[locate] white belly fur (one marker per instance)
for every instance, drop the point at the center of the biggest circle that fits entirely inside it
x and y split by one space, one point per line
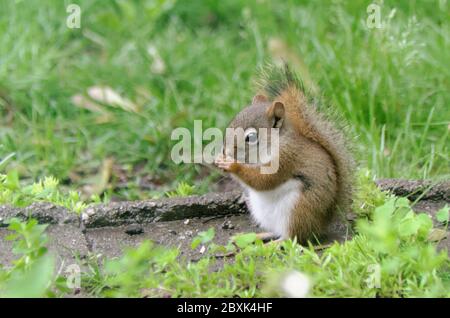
272 209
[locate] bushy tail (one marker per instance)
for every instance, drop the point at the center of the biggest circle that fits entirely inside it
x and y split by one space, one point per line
321 125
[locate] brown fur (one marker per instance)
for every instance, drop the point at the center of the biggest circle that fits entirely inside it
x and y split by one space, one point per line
311 150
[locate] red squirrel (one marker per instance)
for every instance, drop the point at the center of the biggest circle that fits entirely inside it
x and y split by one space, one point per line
315 166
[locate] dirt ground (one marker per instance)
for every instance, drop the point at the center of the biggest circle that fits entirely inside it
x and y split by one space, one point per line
106 230
68 241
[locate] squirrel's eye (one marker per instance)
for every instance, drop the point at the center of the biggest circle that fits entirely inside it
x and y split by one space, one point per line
251 137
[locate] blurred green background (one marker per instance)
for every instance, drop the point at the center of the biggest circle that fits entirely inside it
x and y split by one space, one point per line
165 63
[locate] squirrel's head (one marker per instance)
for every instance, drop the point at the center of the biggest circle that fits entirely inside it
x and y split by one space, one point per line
253 135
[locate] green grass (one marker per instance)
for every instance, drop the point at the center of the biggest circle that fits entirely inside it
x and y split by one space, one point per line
393 253
179 61
390 84
47 190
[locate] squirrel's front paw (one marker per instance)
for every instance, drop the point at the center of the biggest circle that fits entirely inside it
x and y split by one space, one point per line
226 163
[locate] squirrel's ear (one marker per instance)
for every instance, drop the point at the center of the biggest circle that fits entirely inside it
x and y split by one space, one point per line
276 112
259 99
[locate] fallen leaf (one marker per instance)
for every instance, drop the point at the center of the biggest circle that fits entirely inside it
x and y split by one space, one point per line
108 96
84 102
158 66
437 235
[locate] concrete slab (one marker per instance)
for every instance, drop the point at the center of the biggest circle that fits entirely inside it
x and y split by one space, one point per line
65 241
110 241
